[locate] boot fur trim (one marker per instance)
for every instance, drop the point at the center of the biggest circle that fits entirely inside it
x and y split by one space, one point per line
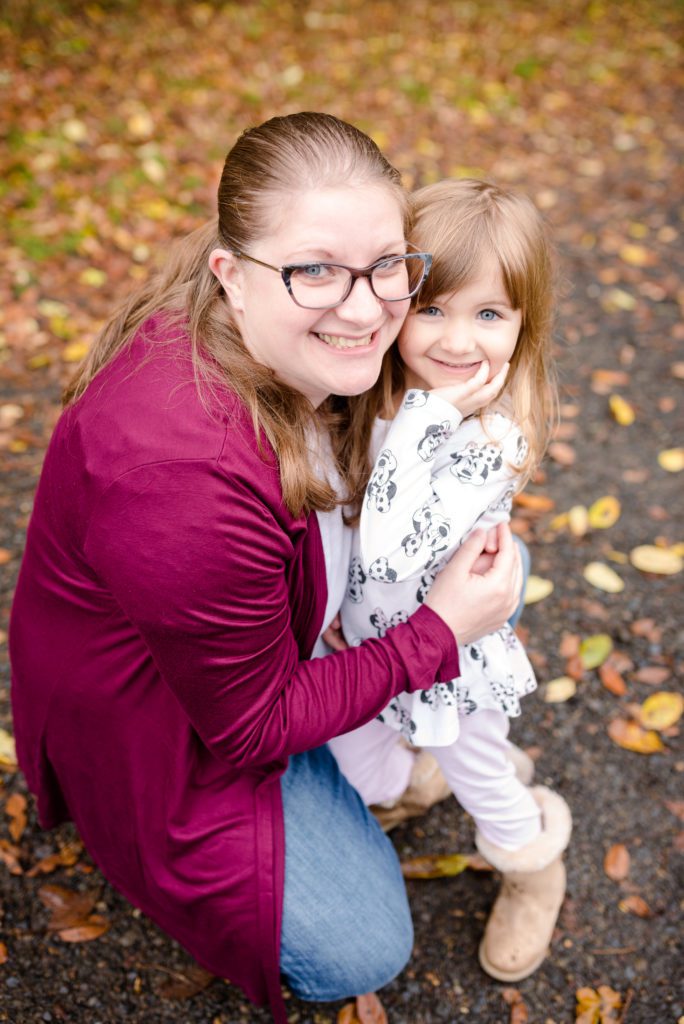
534 856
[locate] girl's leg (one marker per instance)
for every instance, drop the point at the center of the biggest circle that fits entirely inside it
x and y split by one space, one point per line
375 761
346 925
483 779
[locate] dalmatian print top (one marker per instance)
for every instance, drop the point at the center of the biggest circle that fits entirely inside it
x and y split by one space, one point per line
435 478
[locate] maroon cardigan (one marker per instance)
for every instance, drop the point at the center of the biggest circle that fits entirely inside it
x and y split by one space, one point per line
165 610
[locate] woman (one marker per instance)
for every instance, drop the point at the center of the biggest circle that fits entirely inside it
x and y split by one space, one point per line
174 581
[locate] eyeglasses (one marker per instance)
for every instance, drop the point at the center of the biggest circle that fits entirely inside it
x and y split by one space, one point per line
326 285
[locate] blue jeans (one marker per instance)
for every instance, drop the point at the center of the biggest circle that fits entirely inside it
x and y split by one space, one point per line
346 926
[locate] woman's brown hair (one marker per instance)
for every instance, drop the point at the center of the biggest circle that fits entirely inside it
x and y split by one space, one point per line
463 223
284 156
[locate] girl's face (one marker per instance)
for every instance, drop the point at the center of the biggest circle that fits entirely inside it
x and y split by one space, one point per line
447 341
319 351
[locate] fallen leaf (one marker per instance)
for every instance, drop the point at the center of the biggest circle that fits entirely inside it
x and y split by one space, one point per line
66 857
15 808
652 675
621 411
75 352
370 1010
537 589
647 628
636 255
436 865
562 453
184 984
597 1006
594 650
574 667
3 953
519 1012
92 928
557 691
635 905
347 1015
662 561
9 855
672 460
676 807
631 736
616 862
603 381
569 645
603 577
578 520
8 752
534 502
69 909
661 710
604 513
612 680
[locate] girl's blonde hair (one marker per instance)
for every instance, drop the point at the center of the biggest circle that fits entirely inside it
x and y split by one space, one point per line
284 156
463 223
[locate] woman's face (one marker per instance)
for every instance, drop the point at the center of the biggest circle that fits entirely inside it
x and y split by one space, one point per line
319 352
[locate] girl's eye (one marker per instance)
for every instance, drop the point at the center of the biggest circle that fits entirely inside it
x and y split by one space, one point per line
430 311
489 314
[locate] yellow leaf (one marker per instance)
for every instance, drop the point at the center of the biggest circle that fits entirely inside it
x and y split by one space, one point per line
672 459
92 276
559 522
636 255
604 513
631 736
678 549
622 412
75 130
537 589
616 556
603 577
578 520
8 751
140 124
661 710
75 352
559 690
435 866
663 561
39 361
617 299
594 650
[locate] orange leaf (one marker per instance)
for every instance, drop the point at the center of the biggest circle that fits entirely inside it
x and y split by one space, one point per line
69 908
3 953
616 862
612 680
92 928
66 857
631 736
534 502
370 1010
562 453
635 905
654 675
519 1013
603 381
15 808
347 1015
9 855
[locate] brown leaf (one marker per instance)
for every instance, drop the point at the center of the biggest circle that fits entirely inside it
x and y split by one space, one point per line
15 808
603 381
612 680
648 629
569 645
66 857
185 984
676 807
519 1013
635 905
562 453
616 862
90 929
654 675
3 953
347 1015
69 909
370 1010
9 855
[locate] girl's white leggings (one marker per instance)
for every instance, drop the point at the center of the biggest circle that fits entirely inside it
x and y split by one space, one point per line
476 767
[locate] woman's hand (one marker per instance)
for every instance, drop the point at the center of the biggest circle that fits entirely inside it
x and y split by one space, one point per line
473 603
470 395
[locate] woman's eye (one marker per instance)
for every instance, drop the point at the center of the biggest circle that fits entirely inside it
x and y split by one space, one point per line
488 314
313 270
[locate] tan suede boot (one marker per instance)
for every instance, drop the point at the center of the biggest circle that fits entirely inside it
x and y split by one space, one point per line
427 786
521 923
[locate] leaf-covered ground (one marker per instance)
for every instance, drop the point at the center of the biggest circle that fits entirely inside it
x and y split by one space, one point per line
116 117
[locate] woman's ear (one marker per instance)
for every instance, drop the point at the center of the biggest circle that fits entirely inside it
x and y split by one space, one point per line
227 270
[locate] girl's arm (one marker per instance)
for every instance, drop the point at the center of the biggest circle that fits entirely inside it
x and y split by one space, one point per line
436 478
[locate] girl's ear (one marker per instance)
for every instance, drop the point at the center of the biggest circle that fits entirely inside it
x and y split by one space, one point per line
227 269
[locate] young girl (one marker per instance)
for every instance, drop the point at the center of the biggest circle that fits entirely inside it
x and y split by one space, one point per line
464 410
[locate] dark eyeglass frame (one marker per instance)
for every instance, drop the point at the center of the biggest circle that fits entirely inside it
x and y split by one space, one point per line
288 269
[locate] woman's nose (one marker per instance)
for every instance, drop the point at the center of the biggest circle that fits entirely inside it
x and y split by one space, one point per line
362 304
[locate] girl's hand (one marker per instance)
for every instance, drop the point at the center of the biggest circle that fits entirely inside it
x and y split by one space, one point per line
333 635
470 395
472 603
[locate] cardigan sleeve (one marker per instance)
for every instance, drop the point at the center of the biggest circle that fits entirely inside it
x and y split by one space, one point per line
199 565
